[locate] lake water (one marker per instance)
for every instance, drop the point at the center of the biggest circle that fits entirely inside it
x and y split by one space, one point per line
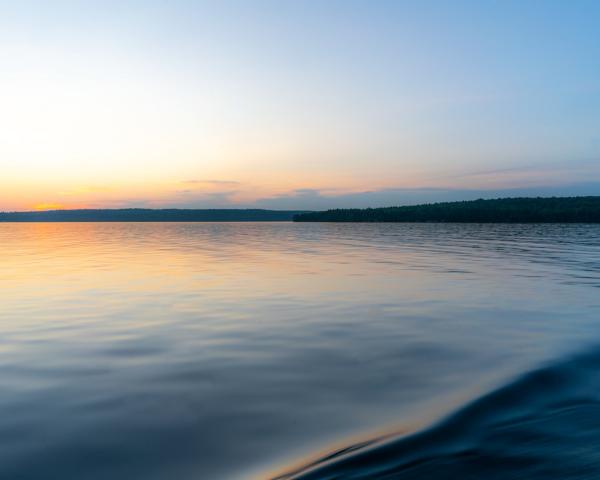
247 350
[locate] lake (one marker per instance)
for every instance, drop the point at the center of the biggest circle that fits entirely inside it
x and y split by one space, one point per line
247 350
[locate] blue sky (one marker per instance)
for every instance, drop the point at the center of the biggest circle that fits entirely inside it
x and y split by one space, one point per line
269 103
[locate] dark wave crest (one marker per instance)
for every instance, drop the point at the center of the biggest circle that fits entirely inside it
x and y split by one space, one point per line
545 424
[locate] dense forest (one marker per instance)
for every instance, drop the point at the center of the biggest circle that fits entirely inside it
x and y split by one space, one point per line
504 210
151 215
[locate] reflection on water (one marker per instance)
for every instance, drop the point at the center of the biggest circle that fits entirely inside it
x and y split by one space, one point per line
229 351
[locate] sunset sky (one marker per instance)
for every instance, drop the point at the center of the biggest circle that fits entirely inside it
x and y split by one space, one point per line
295 104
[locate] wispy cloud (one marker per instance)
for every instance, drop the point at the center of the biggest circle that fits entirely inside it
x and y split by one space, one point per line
312 199
210 182
533 175
202 199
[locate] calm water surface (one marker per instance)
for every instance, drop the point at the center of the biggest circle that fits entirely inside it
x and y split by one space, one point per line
245 350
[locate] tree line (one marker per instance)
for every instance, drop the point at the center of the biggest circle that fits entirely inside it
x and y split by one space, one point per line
503 210
151 215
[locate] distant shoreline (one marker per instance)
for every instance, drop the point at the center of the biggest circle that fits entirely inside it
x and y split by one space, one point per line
152 215
503 210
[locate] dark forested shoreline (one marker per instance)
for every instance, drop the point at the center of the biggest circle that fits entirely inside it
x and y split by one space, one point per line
151 215
504 210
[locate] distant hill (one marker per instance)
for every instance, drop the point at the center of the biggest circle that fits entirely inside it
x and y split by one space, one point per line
503 210
151 215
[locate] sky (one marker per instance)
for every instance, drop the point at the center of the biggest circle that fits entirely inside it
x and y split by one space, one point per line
296 104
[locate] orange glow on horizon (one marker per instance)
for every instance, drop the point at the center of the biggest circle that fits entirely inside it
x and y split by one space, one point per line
41 207
191 191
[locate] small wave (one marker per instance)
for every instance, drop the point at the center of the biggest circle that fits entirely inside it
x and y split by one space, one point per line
545 424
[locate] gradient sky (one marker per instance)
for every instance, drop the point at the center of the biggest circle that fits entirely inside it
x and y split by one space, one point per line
303 104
